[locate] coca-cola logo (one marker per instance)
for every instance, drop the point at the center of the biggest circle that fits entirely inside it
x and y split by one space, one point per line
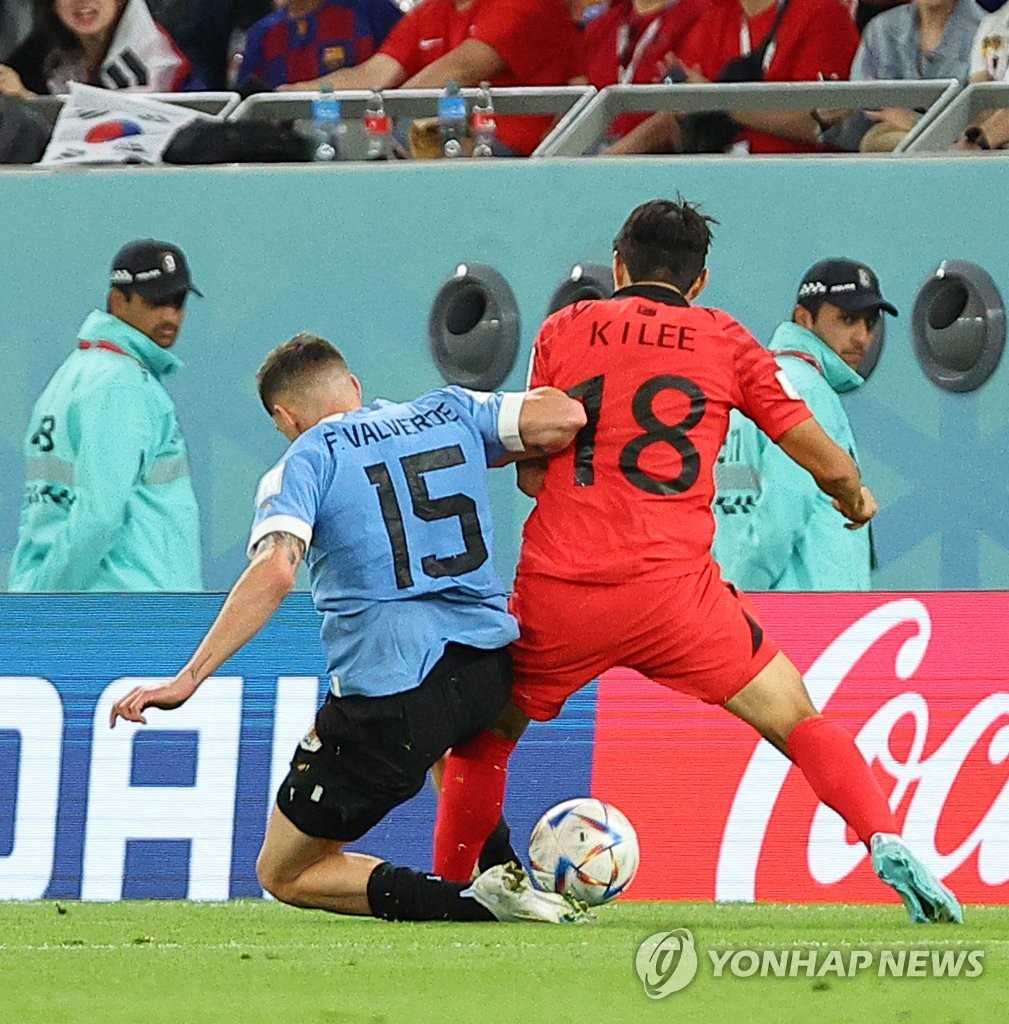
922 684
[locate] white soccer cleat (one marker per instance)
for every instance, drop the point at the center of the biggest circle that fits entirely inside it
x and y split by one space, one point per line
505 890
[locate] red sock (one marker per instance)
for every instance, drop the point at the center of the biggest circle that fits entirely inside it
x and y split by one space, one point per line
838 774
472 794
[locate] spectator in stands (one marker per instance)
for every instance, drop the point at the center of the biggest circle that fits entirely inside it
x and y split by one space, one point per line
989 62
308 38
922 40
736 40
628 43
115 44
522 42
206 30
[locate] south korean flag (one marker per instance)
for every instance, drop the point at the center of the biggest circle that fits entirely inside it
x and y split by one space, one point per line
141 55
99 126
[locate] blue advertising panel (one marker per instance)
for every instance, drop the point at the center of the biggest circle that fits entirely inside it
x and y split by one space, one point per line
177 808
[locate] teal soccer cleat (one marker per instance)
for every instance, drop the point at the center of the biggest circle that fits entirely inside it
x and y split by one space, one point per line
926 898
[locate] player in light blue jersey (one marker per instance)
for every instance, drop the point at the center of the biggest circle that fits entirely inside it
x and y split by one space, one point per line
391 503
388 506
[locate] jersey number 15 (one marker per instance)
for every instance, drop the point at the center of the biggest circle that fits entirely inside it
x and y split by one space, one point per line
429 510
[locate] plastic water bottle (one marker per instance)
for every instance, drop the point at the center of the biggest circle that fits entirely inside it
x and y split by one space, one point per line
452 120
327 117
378 129
482 123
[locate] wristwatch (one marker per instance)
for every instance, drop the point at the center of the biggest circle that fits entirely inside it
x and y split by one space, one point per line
976 137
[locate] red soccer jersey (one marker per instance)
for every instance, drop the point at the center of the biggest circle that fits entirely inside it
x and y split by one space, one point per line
814 37
622 46
631 498
536 39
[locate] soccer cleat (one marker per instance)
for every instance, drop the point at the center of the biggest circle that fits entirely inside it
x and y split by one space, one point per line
926 898
505 890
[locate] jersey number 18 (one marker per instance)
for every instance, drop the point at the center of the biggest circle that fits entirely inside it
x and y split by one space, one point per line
655 432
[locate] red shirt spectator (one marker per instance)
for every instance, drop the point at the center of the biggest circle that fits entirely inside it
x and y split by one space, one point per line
521 42
814 37
628 44
536 40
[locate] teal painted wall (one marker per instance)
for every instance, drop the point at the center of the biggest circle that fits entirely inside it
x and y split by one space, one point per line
358 253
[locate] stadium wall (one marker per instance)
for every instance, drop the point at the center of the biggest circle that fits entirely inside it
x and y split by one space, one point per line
177 808
358 254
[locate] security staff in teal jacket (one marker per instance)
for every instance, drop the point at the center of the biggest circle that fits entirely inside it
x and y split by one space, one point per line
108 501
775 530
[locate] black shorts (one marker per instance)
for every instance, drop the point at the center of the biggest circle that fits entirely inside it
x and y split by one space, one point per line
367 755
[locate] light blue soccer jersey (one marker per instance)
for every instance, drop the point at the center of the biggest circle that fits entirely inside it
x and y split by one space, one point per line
392 502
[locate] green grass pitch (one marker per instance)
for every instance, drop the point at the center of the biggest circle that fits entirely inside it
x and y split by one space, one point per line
253 962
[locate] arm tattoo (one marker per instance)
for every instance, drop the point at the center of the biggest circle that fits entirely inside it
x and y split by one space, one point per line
294 546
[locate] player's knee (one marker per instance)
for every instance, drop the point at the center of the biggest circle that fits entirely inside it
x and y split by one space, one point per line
511 723
277 882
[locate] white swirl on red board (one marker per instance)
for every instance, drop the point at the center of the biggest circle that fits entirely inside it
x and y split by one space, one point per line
765 774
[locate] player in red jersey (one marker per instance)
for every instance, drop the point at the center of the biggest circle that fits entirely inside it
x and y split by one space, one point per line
616 565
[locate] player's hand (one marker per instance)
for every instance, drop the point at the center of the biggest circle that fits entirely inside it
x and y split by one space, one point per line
131 707
531 476
861 514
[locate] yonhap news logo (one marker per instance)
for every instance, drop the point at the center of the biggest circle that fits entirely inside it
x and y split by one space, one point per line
668 962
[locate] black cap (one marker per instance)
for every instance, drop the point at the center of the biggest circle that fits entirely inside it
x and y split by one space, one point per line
155 270
847 284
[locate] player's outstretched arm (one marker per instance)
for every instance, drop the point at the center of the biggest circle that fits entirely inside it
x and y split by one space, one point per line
549 420
252 601
832 468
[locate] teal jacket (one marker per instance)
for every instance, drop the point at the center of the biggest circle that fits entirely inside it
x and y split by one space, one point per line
774 528
108 500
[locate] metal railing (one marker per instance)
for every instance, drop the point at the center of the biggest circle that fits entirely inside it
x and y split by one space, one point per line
585 115
565 102
413 103
215 104
589 129
948 125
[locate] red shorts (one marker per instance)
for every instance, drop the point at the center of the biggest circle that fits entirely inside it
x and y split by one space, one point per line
694 633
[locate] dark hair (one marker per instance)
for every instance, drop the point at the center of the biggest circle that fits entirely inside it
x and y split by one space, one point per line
665 241
57 35
293 364
812 303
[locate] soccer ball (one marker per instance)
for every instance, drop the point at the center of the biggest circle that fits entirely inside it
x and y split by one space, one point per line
586 848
